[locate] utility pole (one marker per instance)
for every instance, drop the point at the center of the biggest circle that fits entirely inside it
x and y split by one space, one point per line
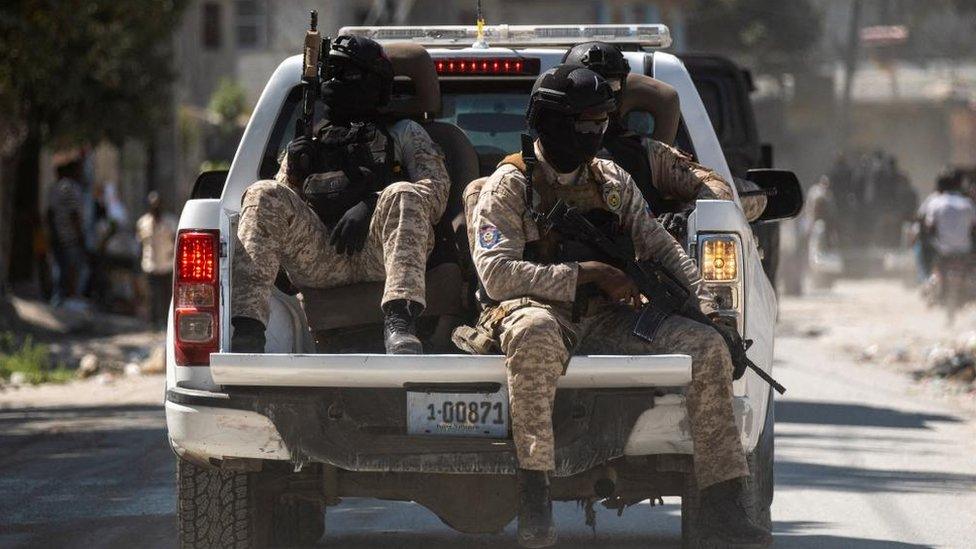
850 67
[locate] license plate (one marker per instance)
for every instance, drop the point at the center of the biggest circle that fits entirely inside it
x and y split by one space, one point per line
458 414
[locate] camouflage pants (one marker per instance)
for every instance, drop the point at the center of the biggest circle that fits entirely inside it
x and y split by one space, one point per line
536 339
277 228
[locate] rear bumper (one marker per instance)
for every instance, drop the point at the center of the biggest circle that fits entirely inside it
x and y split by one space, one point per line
204 426
350 411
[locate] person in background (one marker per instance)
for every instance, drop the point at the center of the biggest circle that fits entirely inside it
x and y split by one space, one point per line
950 219
68 237
156 232
922 241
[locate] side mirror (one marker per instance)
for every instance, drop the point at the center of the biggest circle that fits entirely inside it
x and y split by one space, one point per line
784 195
209 184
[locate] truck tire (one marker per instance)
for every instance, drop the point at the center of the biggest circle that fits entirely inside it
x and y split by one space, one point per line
297 522
220 508
760 462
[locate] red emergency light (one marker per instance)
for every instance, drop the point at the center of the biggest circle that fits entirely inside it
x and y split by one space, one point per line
487 66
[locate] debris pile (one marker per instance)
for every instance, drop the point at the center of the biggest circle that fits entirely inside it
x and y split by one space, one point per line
955 363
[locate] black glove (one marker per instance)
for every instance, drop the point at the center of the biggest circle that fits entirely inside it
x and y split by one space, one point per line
349 235
675 223
301 158
736 347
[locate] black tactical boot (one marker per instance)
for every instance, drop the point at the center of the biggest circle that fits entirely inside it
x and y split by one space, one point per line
400 327
725 517
248 335
535 527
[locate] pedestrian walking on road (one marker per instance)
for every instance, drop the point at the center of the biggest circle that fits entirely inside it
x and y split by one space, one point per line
156 232
64 215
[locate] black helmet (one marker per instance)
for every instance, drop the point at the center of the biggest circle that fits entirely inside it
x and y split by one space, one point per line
569 90
359 76
560 98
363 52
605 59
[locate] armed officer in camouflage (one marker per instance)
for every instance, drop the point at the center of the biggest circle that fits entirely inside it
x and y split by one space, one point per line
669 179
532 308
356 203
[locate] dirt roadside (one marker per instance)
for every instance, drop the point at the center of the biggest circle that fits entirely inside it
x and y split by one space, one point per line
883 324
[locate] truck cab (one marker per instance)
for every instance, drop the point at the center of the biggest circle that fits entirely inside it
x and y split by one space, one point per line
322 415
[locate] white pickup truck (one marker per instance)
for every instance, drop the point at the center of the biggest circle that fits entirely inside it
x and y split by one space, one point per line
266 441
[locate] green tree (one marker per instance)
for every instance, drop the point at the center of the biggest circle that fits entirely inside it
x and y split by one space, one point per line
771 34
229 103
74 72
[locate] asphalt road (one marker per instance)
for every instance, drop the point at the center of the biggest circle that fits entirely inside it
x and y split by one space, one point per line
864 459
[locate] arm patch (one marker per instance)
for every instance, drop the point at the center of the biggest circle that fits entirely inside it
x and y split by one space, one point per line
488 236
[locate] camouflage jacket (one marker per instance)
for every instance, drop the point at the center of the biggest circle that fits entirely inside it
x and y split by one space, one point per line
677 177
504 227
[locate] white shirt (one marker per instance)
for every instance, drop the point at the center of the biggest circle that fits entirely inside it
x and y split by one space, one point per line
953 217
158 239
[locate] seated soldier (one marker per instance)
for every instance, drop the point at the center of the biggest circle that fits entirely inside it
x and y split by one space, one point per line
669 180
338 212
529 289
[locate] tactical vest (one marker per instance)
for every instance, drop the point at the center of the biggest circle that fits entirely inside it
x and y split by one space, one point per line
551 247
347 170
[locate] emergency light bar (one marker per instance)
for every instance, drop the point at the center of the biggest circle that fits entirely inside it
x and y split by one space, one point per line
649 36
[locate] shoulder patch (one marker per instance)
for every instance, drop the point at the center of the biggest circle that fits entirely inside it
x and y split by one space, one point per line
613 199
488 236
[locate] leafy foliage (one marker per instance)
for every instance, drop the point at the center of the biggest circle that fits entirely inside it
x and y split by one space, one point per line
773 33
84 70
32 360
228 102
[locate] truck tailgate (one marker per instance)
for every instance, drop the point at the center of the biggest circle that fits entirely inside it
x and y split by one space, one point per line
367 370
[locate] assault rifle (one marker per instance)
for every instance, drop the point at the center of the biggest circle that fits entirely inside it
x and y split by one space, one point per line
311 76
665 293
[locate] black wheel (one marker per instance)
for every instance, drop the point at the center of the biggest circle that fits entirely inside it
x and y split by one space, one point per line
220 508
690 514
760 462
297 522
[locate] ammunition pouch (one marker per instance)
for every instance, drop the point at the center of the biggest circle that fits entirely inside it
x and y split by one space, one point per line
330 194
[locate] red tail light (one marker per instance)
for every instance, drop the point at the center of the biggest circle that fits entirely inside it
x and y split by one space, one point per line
487 66
196 297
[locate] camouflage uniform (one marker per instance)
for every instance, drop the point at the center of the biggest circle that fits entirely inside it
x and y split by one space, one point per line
533 323
277 228
677 177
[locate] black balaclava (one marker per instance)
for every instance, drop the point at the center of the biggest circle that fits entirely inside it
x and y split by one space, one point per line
565 148
361 79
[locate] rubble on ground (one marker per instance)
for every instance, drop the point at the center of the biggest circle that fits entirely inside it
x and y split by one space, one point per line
955 362
88 365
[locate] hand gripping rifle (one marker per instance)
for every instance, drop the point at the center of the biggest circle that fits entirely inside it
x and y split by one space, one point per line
665 293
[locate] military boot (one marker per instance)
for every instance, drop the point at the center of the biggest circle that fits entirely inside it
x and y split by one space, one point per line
535 527
400 327
725 517
248 335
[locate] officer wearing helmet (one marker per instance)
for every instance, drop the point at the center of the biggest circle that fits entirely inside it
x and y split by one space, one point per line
531 295
355 203
669 180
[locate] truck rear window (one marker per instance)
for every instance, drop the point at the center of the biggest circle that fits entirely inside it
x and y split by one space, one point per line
491 113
